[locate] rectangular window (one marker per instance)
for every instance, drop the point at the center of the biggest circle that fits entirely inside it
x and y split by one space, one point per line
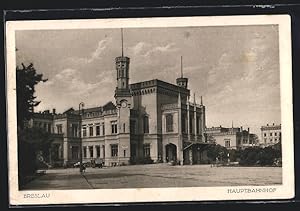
91 150
271 134
59 129
114 150
74 152
91 131
146 124
146 149
98 130
169 123
191 125
133 150
198 124
114 127
74 128
49 128
84 131
132 127
84 152
98 151
227 143
275 134
265 135
103 128
183 123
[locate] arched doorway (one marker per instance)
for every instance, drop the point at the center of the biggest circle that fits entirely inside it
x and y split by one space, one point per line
171 152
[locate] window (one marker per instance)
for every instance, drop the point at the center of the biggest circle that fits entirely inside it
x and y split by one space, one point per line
103 148
275 134
91 150
275 140
124 128
169 123
227 143
133 150
124 153
198 124
146 149
265 140
132 126
114 150
98 151
74 128
191 125
59 128
74 152
98 130
271 134
49 128
146 124
84 131
114 127
91 131
265 135
84 152
183 123
103 128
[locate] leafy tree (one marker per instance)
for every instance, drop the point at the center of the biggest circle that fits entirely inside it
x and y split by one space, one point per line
217 151
27 79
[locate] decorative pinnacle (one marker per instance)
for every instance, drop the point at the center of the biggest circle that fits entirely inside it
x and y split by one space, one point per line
122 41
181 69
201 101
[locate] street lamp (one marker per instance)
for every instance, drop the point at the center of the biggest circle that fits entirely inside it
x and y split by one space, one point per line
80 111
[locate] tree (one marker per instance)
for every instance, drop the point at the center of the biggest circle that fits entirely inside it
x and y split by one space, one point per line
27 79
217 151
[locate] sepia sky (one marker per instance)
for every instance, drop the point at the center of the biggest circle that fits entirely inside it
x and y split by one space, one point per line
234 68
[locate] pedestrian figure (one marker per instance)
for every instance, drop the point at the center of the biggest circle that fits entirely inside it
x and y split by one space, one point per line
83 167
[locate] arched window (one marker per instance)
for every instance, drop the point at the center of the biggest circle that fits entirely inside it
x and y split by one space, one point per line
169 123
146 124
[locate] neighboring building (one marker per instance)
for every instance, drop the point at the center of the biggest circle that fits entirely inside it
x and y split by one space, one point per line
270 134
151 119
231 138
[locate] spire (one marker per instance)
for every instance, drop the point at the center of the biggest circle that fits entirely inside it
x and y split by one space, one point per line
181 69
195 98
122 41
232 123
201 101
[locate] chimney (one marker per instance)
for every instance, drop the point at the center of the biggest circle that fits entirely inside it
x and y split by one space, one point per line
54 111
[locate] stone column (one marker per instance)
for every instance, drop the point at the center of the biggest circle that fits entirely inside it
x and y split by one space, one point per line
66 151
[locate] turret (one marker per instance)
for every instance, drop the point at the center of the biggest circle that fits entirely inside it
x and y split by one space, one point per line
182 82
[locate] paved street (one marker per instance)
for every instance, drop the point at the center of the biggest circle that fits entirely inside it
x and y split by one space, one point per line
156 175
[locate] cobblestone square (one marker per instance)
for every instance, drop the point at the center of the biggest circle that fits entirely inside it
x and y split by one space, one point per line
155 176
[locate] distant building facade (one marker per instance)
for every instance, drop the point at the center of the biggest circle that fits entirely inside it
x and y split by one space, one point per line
150 119
231 138
270 134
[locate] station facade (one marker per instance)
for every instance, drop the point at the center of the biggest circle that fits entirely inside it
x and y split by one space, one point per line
150 120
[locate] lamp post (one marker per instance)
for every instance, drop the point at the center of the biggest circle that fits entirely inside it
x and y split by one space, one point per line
80 110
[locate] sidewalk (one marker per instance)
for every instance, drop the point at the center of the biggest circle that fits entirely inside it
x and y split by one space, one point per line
61 179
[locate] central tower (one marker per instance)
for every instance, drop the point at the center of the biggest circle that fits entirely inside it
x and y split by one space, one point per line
122 92
123 102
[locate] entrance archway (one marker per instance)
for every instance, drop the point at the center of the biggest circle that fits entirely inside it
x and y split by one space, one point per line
171 152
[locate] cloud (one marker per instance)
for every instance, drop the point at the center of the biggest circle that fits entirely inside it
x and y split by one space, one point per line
95 54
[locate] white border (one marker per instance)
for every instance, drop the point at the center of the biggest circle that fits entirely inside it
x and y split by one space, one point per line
284 191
